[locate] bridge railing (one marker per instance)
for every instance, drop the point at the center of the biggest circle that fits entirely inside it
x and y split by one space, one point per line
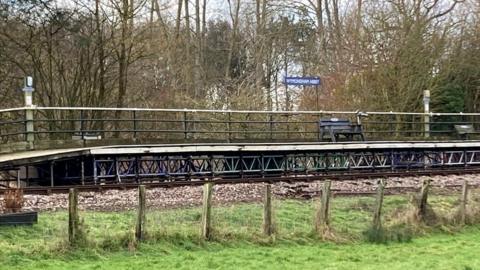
188 125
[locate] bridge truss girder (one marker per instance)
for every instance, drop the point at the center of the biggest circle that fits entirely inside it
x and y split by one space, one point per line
170 167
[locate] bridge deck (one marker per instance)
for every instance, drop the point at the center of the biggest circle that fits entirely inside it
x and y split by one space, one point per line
30 157
22 158
272 147
191 162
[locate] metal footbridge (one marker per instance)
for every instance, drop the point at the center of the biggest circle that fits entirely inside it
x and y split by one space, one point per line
237 162
56 147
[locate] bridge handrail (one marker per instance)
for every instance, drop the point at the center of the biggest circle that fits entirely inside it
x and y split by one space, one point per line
233 111
13 109
34 124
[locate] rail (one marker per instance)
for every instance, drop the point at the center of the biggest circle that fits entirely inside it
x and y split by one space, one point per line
311 178
144 125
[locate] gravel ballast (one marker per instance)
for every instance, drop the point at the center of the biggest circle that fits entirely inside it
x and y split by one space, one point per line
116 200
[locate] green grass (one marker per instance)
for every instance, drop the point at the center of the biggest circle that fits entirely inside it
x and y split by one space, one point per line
173 240
435 252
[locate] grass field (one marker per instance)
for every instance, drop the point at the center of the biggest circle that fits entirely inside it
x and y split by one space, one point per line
173 241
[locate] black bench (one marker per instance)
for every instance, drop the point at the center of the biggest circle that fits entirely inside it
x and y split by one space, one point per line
463 131
335 127
87 136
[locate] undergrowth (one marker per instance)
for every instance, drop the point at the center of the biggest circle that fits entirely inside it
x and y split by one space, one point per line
442 215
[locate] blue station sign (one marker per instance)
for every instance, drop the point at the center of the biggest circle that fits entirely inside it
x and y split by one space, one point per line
301 80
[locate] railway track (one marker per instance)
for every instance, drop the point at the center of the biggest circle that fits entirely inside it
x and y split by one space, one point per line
288 178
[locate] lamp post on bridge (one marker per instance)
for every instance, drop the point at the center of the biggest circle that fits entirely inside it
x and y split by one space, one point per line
28 94
426 107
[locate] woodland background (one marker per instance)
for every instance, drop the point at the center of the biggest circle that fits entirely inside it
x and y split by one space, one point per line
233 54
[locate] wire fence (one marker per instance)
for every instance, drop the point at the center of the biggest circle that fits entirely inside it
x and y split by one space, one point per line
111 229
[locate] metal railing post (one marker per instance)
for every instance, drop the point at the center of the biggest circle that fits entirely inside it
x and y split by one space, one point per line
194 127
134 116
82 127
288 126
317 126
394 126
29 127
229 127
270 119
185 127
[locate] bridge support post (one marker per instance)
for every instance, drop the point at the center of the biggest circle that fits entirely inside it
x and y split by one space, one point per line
95 171
206 230
18 178
82 171
268 219
52 178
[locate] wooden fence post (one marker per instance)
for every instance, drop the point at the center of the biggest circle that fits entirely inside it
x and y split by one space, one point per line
463 203
141 219
268 220
207 211
422 205
377 215
73 219
321 218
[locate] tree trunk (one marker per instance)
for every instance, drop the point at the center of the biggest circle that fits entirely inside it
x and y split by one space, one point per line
178 20
260 15
320 26
189 71
357 35
126 22
100 101
197 79
233 38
